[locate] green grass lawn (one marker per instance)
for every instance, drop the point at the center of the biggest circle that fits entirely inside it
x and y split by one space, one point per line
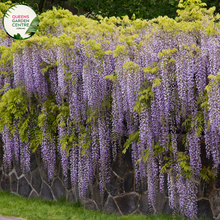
38 209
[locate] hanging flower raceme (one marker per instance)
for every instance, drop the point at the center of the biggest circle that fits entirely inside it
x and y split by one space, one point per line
62 150
28 71
48 152
7 147
40 83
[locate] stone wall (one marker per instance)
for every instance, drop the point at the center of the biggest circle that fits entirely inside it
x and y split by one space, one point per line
120 195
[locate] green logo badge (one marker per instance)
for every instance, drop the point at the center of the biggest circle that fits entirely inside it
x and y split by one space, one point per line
20 21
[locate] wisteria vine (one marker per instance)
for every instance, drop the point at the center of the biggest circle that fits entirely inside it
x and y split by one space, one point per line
86 95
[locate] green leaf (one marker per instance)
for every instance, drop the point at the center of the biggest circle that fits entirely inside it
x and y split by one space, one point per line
18 37
158 149
165 167
111 77
31 29
33 26
133 137
35 21
156 82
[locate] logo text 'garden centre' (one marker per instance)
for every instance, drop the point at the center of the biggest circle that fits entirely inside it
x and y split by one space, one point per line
20 21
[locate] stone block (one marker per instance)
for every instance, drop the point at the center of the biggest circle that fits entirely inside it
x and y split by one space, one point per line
127 203
110 206
36 180
33 194
100 200
28 176
46 192
204 189
0 172
87 194
115 186
76 192
5 183
160 201
13 181
61 173
136 213
43 172
33 162
142 187
128 160
129 182
166 208
165 185
215 202
18 169
120 166
217 180
68 184
71 196
66 180
24 188
144 204
58 188
90 204
38 156
204 209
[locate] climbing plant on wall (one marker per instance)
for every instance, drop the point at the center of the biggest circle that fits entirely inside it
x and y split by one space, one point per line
86 90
